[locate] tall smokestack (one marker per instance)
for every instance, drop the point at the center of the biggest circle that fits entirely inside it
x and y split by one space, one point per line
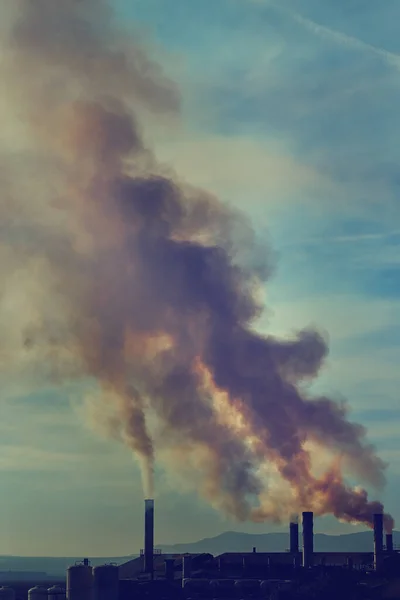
308 539
149 536
378 540
294 536
389 542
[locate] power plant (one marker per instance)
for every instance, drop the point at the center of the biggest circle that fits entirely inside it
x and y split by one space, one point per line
299 573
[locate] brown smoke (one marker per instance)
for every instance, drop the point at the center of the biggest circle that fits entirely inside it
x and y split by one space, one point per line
150 288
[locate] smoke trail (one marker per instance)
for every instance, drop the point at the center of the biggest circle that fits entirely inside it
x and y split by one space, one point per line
146 285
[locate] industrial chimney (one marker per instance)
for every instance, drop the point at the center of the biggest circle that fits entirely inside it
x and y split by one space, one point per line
186 567
378 540
389 543
169 569
149 536
308 539
294 536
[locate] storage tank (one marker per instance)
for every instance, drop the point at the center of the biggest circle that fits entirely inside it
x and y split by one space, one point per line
265 587
80 582
269 588
106 582
7 593
55 592
198 587
38 592
222 588
248 587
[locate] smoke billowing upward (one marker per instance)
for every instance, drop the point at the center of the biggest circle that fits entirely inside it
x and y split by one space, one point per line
146 285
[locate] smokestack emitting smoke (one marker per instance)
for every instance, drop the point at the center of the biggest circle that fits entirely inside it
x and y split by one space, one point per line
146 286
378 540
308 539
389 542
148 536
294 536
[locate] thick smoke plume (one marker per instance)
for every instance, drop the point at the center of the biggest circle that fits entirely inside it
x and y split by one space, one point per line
150 288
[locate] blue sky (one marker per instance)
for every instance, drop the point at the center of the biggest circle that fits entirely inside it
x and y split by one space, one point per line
290 113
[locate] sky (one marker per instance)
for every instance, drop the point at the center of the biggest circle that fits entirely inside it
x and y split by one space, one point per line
289 113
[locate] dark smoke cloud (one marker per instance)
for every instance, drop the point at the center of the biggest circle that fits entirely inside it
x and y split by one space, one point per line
152 288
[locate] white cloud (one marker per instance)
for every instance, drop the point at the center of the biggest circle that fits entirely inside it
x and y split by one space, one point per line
239 167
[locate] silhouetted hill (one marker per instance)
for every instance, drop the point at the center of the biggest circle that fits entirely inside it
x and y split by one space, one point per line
226 542
277 542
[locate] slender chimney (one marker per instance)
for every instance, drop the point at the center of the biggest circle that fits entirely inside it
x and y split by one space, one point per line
294 536
378 540
389 543
149 536
186 567
308 539
169 569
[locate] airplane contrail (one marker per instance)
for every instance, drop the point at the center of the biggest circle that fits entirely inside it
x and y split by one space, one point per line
339 37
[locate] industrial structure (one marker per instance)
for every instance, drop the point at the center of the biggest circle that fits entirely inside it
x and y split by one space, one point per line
149 536
298 574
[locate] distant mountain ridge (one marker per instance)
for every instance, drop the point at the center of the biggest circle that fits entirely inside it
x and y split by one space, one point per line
231 541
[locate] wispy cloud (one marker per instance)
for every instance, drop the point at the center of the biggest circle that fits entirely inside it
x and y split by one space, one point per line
339 37
31 458
242 169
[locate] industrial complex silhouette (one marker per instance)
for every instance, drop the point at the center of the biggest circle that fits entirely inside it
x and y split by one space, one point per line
299 573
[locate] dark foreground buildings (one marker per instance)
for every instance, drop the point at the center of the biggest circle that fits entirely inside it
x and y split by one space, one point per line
298 574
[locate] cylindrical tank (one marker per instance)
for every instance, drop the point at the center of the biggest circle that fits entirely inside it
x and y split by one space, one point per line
37 593
270 587
106 582
222 588
55 592
265 588
7 593
248 587
80 582
196 586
